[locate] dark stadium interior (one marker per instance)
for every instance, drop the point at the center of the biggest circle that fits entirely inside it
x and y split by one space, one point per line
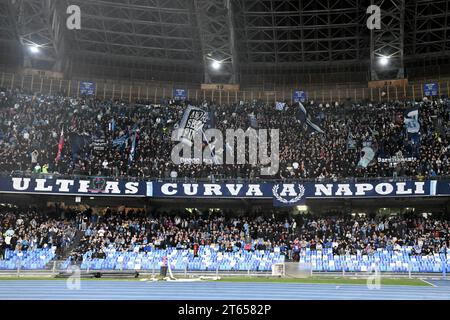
277 43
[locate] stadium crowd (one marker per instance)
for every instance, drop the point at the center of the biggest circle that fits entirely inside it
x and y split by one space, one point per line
137 231
100 137
29 230
140 231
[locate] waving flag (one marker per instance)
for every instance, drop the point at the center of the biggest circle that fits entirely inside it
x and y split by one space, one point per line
303 116
253 121
133 147
193 121
411 120
121 141
60 146
112 125
280 106
367 156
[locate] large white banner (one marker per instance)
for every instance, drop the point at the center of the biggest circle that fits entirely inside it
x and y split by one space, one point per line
192 122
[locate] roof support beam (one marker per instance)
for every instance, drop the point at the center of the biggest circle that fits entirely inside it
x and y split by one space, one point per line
39 25
388 42
216 27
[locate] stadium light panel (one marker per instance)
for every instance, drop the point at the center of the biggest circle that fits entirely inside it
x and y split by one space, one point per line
34 49
215 65
384 61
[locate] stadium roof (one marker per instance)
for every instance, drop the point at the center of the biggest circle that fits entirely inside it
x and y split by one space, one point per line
241 34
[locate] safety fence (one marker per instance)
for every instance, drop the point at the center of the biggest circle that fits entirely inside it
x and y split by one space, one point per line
60 269
106 89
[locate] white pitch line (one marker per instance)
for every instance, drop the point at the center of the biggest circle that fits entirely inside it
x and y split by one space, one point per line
431 284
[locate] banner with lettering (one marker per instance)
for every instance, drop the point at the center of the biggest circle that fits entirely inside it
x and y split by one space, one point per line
293 194
431 89
299 96
180 94
87 88
98 186
193 121
282 194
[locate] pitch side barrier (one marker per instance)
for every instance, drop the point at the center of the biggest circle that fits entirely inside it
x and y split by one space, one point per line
281 193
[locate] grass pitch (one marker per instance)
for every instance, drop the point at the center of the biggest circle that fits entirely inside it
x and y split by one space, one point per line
246 279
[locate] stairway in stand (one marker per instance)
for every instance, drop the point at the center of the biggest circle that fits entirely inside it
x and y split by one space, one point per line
75 243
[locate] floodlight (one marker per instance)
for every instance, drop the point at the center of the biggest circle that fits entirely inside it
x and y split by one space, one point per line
384 61
34 49
215 65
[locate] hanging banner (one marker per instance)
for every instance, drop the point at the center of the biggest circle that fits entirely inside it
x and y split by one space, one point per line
87 88
99 145
86 186
281 194
294 194
180 94
431 89
299 96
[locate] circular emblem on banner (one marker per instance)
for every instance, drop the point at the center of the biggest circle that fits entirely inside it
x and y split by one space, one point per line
97 185
300 194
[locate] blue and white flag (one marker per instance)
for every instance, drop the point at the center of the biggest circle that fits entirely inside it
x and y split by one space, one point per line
304 117
253 121
133 147
367 156
179 94
87 88
411 121
431 89
280 106
112 125
299 96
120 142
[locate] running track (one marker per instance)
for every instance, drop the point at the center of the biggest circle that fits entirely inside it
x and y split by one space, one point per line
139 290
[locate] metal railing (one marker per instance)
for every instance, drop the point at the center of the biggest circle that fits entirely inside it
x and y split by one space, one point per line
220 179
51 269
150 92
55 269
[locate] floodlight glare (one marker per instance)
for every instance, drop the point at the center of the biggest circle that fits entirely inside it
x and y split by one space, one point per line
384 61
216 65
34 49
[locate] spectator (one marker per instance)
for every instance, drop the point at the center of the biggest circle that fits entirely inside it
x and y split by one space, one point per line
93 148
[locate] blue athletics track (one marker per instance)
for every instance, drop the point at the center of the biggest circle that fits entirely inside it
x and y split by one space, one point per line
141 290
